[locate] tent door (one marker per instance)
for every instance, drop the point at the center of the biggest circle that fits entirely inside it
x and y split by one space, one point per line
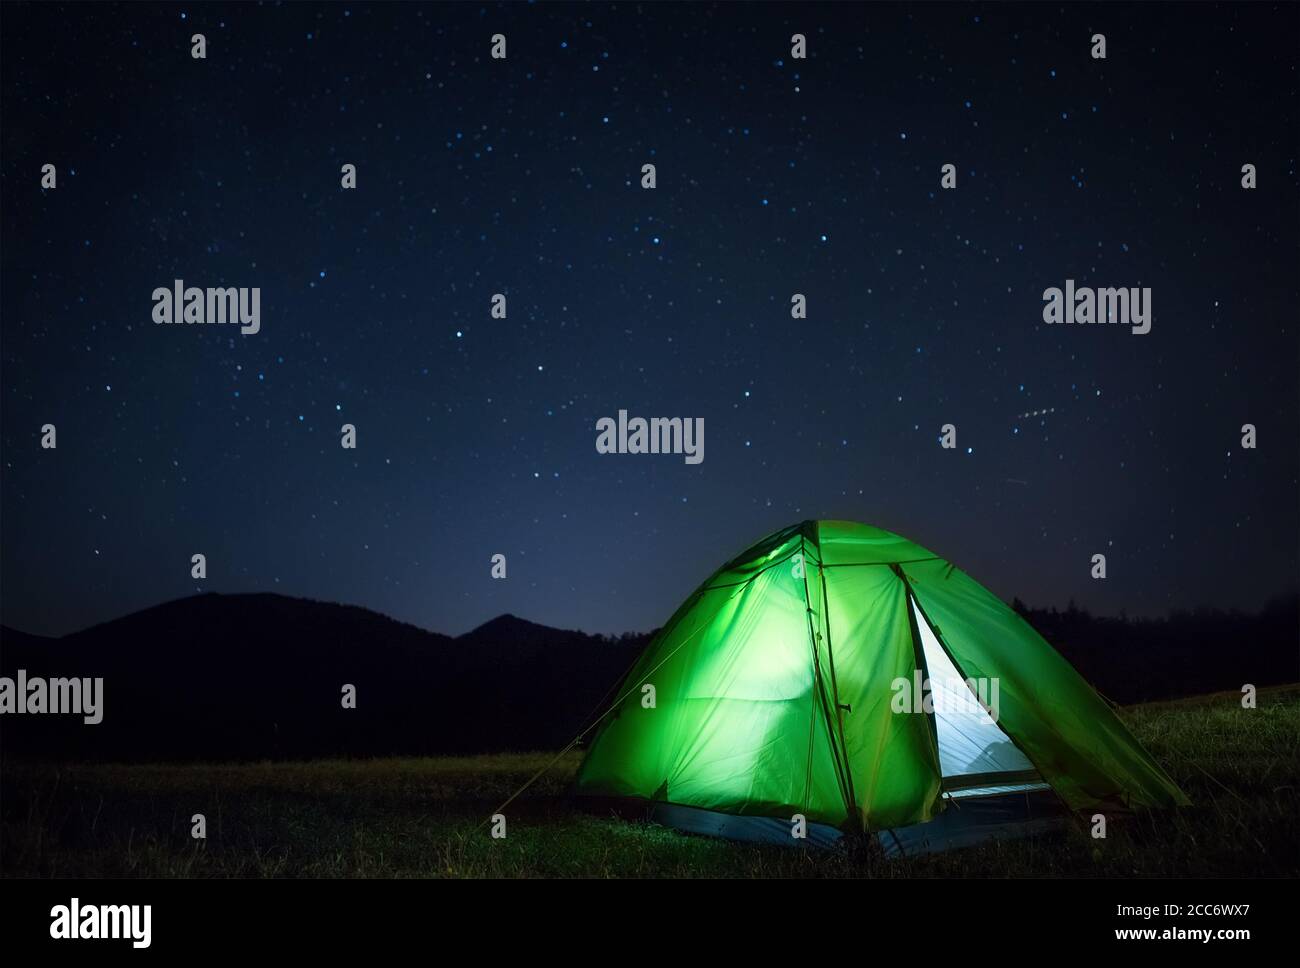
976 756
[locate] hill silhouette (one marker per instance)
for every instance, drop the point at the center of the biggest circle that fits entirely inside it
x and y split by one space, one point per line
1185 653
260 676
253 676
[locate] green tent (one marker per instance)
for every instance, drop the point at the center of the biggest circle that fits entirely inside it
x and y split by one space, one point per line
845 674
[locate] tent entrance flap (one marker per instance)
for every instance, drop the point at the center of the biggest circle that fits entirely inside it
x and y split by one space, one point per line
971 743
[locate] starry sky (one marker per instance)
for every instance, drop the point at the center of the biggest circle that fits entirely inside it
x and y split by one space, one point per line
775 176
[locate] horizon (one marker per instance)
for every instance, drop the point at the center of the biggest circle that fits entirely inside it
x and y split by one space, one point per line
1271 601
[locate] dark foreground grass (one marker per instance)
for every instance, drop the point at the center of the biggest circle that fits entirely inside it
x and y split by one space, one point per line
423 818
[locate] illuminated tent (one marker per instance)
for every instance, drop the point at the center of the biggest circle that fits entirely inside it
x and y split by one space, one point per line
836 671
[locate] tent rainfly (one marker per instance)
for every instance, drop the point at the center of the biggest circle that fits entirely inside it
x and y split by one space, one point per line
837 678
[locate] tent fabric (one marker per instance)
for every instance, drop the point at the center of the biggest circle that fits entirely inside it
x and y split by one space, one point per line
999 817
771 692
975 821
756 830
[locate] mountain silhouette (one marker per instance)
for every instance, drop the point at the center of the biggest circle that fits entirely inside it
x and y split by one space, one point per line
262 676
521 632
237 677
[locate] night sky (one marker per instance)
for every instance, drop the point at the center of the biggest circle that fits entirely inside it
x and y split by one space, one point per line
521 176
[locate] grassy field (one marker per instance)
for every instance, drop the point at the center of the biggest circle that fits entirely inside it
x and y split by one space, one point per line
422 817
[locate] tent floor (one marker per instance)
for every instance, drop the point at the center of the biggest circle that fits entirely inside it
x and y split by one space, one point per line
967 821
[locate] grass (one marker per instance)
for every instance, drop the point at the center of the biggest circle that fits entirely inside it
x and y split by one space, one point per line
423 817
